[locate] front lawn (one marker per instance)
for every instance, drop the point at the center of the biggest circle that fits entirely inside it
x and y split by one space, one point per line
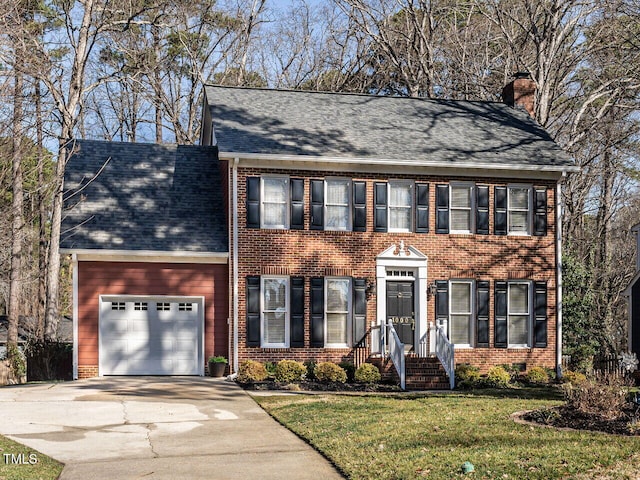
18 462
401 437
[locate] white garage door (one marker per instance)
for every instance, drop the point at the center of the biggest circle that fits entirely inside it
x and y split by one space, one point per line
151 335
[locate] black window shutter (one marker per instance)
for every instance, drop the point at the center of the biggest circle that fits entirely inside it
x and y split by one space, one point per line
540 216
442 208
253 202
500 340
359 309
380 207
317 312
422 207
500 211
297 312
482 209
442 300
317 205
359 206
482 311
253 310
540 315
297 203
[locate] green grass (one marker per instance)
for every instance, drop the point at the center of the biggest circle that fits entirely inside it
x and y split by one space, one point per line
18 462
402 437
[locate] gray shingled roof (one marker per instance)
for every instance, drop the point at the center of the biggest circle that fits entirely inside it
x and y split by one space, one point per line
164 198
426 131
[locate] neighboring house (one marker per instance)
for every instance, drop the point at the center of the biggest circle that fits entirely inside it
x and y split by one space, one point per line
27 328
342 212
633 294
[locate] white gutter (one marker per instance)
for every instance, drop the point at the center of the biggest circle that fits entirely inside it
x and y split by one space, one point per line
559 277
234 235
397 162
74 267
146 256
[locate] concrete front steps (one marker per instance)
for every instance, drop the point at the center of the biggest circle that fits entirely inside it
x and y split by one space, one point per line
421 373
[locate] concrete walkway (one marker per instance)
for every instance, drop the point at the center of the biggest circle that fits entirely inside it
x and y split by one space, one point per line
156 428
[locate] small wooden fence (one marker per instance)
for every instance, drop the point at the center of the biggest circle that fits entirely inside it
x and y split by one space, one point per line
608 364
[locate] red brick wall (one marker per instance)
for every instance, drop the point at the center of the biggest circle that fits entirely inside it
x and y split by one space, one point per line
311 253
119 278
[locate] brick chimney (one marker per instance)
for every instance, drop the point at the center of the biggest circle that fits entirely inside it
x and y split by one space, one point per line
520 91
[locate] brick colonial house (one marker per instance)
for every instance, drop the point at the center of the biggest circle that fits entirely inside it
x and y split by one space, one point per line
306 220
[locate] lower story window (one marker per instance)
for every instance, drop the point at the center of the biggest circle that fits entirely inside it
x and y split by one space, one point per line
337 311
275 312
518 314
460 313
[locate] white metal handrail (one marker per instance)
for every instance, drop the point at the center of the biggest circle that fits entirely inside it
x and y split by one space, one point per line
396 352
445 353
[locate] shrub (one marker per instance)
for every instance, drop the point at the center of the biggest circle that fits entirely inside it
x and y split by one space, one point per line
251 371
514 370
575 378
367 373
289 371
311 366
537 375
271 368
467 376
603 395
498 377
330 372
350 370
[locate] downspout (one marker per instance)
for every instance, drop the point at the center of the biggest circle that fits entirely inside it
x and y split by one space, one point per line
559 276
74 267
234 235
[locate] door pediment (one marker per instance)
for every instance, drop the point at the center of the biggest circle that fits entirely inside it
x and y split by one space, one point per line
401 252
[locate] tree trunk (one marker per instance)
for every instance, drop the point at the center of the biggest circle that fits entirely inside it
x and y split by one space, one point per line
15 284
42 214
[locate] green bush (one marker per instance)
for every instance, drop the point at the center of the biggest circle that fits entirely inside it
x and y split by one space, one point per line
251 371
271 368
330 372
467 376
350 370
537 375
367 373
289 371
498 377
311 366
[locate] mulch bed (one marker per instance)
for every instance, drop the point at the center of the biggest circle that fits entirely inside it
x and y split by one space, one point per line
628 423
321 386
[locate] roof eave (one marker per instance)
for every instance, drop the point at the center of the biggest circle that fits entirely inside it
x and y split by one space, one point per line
389 162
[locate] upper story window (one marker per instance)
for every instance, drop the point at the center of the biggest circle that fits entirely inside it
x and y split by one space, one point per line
338 204
520 210
274 199
275 202
401 206
462 208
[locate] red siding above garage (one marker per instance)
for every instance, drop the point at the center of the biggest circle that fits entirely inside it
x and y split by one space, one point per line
125 278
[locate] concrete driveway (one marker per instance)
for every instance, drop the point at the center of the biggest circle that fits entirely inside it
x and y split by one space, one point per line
156 428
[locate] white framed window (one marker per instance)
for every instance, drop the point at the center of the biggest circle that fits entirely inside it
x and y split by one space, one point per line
519 210
461 312
400 206
337 312
274 293
518 314
337 206
185 307
118 306
140 306
163 306
274 202
461 208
